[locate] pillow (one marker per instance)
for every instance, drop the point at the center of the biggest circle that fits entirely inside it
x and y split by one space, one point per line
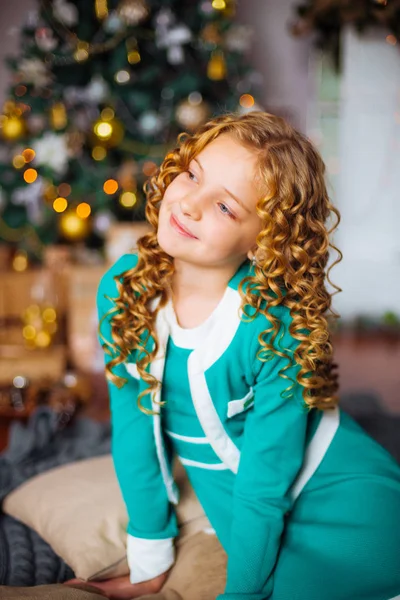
79 511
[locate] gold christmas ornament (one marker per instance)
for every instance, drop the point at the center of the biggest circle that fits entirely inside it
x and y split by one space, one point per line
58 116
101 9
216 68
191 115
227 7
132 51
82 51
72 227
12 127
133 12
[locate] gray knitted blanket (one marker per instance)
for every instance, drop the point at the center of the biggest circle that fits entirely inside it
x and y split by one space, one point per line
42 444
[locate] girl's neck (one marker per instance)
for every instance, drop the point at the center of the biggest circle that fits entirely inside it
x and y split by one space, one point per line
191 280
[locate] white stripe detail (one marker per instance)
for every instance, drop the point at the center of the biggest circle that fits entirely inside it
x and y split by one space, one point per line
186 438
317 449
132 370
237 406
200 465
223 446
157 369
198 362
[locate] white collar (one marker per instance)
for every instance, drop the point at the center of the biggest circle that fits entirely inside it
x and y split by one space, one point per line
190 338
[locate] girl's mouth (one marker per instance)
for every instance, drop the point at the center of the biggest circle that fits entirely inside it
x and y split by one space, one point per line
179 228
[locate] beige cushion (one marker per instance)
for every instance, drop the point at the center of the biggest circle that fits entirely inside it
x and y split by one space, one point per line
78 510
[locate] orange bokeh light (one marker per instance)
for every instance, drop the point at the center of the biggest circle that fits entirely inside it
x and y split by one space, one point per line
110 186
28 154
83 210
30 175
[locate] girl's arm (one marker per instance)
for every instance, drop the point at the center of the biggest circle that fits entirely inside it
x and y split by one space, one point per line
151 517
271 456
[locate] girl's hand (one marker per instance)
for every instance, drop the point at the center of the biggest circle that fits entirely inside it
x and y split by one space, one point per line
120 588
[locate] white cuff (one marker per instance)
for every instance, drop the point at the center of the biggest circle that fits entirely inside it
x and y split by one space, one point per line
149 558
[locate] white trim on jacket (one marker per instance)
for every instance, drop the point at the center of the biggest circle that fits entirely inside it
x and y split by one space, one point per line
222 326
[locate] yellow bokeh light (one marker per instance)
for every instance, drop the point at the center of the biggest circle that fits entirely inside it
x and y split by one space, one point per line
32 312
20 262
246 100
83 210
133 57
28 154
82 51
49 315
219 4
122 76
18 161
107 114
30 175
110 186
127 199
43 339
103 130
99 153
60 204
29 332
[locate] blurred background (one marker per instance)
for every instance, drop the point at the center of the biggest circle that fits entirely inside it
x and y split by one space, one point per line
93 94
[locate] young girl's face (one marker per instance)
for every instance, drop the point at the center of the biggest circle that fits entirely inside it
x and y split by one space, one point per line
214 201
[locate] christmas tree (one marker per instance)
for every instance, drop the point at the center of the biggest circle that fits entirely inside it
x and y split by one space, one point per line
98 95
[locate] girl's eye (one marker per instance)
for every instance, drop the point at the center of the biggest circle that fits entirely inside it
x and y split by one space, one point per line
227 211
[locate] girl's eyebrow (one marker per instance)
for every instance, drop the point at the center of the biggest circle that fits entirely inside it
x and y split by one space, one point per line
226 190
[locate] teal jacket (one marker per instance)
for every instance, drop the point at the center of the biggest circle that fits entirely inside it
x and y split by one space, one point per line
273 444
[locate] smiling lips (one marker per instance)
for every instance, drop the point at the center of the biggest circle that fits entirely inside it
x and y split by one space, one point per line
180 228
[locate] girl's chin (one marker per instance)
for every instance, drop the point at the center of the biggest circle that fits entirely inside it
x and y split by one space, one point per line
166 243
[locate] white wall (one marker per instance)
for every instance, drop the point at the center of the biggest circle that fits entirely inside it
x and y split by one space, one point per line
368 194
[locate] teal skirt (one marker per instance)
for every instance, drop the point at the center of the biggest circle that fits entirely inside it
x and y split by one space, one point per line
341 540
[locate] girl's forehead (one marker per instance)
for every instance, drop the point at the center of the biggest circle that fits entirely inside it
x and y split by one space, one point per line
226 151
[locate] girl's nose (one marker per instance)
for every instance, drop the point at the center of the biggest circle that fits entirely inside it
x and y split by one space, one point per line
190 206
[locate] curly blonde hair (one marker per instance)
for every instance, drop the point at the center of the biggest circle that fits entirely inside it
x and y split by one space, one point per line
293 251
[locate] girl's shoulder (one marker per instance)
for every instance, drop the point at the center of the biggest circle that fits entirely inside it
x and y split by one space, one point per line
107 283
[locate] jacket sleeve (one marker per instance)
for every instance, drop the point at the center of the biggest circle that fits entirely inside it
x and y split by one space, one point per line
271 455
151 517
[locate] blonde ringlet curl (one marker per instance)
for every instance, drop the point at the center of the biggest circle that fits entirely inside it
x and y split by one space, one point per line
292 252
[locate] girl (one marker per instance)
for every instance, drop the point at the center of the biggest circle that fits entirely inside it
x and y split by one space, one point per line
225 304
